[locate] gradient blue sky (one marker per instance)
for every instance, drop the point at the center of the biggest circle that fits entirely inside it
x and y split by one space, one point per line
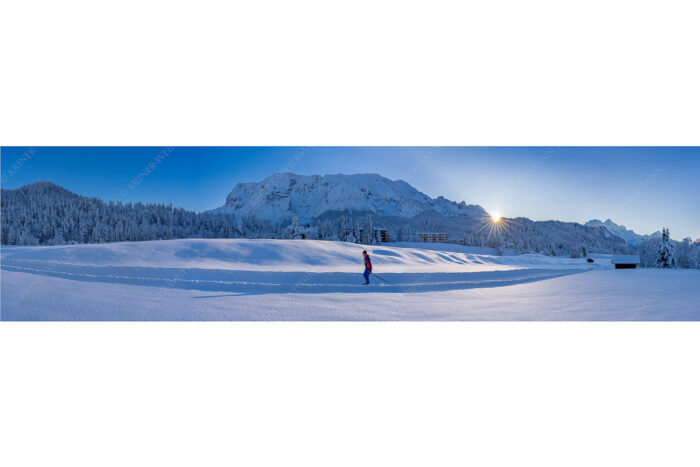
642 188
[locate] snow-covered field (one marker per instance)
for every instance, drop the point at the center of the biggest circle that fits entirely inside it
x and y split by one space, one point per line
318 280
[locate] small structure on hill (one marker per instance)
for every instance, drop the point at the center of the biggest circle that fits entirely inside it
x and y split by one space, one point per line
432 237
625 261
297 232
382 235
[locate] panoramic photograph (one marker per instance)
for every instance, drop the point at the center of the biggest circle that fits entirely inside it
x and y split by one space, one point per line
350 234
333 234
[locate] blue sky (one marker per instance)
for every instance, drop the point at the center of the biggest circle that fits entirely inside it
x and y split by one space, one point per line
642 188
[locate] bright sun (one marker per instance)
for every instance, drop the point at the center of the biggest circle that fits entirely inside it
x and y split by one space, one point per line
495 217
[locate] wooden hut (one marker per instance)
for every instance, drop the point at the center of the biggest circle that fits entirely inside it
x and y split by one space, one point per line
625 261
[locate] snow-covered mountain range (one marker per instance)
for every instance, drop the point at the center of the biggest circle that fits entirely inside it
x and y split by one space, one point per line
278 197
632 238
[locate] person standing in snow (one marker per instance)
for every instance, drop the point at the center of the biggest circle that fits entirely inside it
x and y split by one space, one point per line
368 267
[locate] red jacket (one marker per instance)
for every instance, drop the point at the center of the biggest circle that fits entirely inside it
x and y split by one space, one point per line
368 264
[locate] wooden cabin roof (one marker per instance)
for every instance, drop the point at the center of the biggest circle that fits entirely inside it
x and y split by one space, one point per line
626 259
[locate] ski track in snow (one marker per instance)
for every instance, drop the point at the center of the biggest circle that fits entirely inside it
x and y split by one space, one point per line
285 266
597 295
285 282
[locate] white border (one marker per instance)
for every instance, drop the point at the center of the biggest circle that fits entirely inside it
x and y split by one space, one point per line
349 394
541 72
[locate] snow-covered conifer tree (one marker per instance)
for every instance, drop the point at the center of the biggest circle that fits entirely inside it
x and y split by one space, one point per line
684 254
664 257
294 231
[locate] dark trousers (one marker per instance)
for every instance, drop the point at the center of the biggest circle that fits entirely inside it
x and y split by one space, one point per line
366 276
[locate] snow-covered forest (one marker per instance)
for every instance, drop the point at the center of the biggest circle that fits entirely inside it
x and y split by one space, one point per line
46 214
666 253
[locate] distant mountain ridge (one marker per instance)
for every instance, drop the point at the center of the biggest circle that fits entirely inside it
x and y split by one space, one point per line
630 237
278 197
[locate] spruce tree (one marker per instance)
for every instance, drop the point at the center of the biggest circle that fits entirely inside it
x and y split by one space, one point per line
664 257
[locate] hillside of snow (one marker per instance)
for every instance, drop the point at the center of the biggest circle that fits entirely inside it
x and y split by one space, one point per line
279 255
279 196
242 279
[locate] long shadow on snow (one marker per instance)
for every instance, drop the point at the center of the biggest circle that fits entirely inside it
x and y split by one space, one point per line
269 282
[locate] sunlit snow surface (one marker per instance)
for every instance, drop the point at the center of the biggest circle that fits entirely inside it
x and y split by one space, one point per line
243 279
